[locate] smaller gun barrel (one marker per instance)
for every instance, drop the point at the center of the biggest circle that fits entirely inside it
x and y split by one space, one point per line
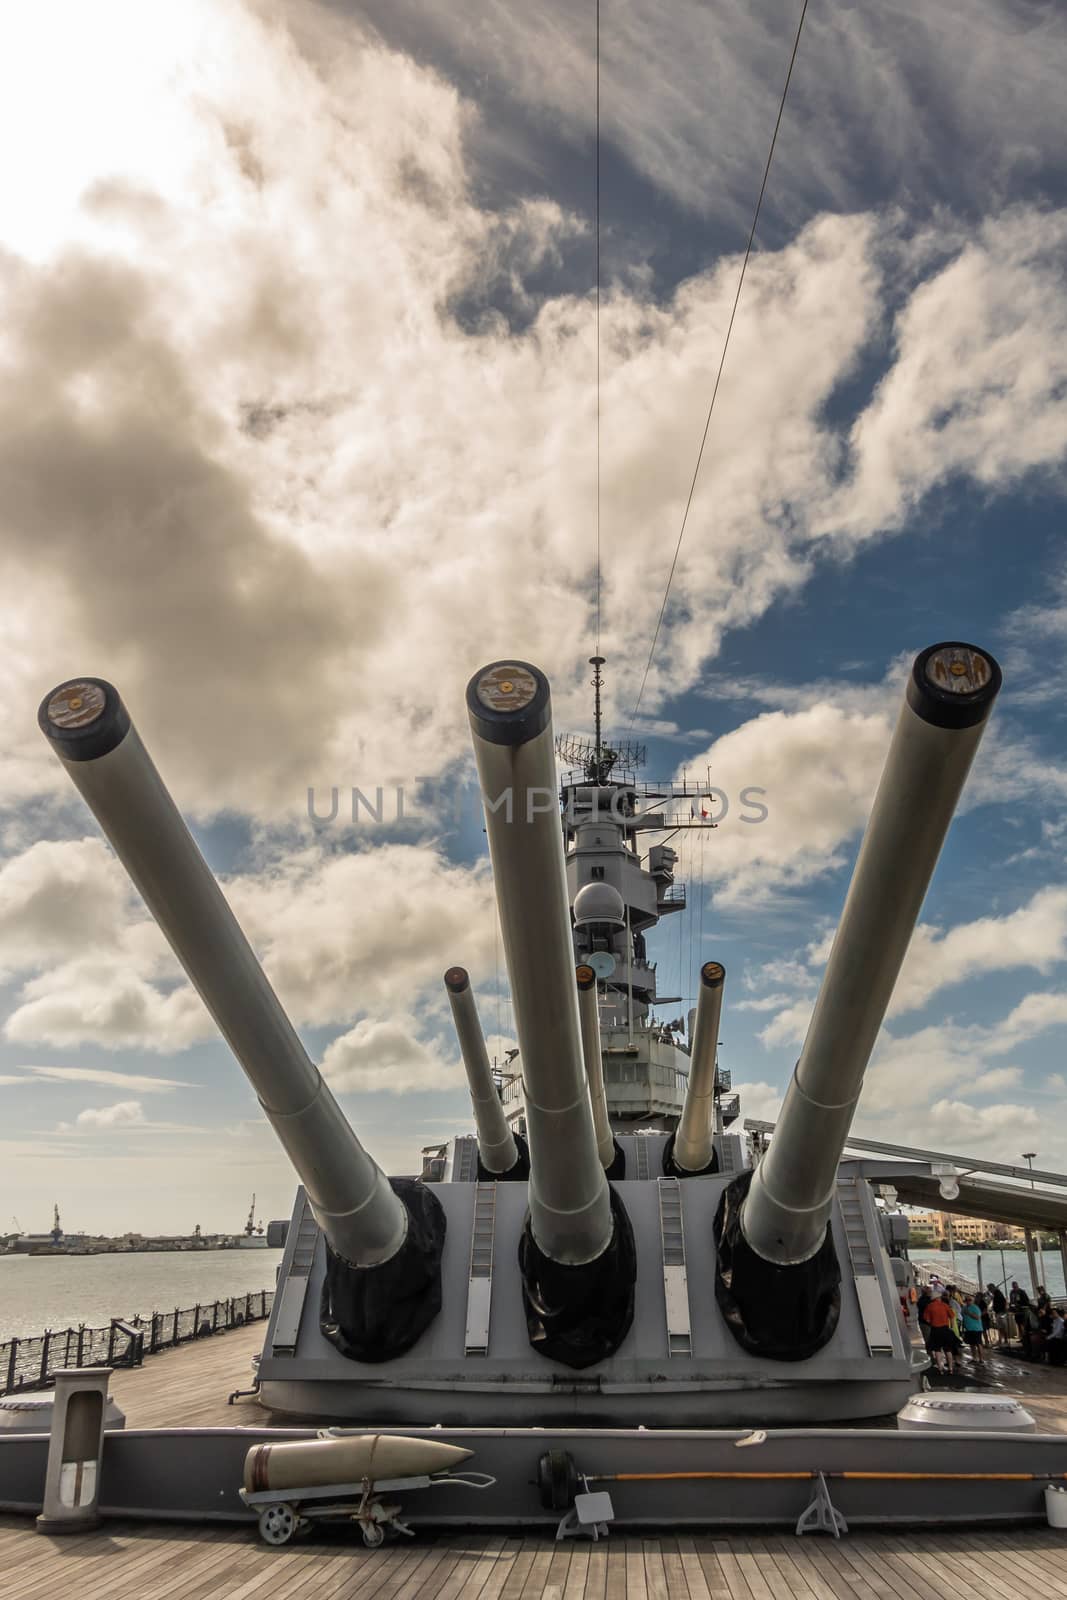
496 1143
694 1148
594 1065
89 729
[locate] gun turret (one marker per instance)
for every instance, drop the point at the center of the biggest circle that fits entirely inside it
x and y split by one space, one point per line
690 1152
609 1150
777 1280
577 1255
384 1238
500 1153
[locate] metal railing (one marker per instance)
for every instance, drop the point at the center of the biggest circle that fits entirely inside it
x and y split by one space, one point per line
924 1272
32 1362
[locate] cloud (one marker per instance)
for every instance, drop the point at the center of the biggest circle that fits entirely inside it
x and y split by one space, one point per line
789 1026
909 1068
946 1065
997 1078
342 934
304 464
966 1122
760 1101
124 1114
1034 1014
877 102
953 1123
387 1054
100 1001
99 1075
818 768
59 899
1034 936
970 390
339 935
767 1002
817 754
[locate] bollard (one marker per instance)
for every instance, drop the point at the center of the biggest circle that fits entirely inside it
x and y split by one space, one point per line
76 1446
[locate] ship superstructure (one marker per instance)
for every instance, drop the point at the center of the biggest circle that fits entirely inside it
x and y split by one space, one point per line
621 882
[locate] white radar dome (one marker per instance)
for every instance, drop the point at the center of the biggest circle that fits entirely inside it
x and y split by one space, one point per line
599 902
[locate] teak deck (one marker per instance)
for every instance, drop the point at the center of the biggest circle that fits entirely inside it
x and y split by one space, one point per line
188 1388
127 1559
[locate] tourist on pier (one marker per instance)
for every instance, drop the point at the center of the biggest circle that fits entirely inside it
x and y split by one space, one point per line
1019 1302
921 1304
999 1303
1032 1334
942 1344
973 1329
1057 1339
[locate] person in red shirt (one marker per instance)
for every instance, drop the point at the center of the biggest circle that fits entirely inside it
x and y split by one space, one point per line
942 1341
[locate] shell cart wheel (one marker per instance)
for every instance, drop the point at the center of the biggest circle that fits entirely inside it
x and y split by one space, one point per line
373 1535
278 1523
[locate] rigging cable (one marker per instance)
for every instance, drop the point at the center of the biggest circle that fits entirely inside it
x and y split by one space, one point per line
700 932
690 913
722 363
596 231
681 918
496 984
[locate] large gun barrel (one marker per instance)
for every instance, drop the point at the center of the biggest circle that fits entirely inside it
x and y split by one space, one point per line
576 1223
692 1148
365 1221
783 1219
498 1150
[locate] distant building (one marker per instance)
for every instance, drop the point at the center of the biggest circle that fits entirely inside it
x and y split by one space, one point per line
930 1227
923 1228
977 1230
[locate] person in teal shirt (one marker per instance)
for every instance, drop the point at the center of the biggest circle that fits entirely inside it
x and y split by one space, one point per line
972 1329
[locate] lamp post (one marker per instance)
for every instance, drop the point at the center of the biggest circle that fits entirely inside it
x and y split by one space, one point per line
1029 1157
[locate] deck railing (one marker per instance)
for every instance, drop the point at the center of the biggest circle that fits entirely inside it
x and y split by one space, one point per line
32 1362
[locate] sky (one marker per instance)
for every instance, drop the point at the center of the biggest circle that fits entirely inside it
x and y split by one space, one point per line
298 428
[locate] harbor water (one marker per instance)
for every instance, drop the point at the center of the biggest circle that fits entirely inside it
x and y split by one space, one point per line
42 1292
1015 1267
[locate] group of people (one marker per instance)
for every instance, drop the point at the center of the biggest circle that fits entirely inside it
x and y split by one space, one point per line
1040 1324
952 1319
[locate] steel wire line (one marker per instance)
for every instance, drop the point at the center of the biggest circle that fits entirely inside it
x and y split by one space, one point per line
718 375
596 208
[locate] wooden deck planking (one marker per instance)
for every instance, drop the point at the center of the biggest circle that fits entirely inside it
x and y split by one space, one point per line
188 1387
228 1564
1047 1570
596 1577
1010 1584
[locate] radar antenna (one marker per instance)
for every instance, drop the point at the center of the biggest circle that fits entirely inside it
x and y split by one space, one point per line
596 759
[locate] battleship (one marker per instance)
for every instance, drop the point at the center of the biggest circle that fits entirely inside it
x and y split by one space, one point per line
600 1251
603 1283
